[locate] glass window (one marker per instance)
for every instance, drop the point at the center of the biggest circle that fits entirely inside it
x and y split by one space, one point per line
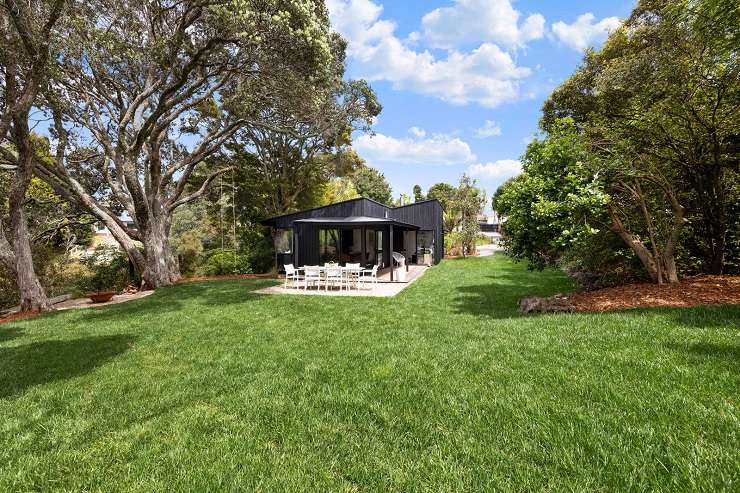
379 248
370 246
425 242
329 245
351 246
283 241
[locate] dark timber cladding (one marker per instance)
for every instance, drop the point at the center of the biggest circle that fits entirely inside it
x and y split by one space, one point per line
362 230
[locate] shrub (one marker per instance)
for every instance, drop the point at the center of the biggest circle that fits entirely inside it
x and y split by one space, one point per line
105 270
225 262
261 255
189 252
8 289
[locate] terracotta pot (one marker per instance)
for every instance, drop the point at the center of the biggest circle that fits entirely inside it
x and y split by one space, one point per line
101 297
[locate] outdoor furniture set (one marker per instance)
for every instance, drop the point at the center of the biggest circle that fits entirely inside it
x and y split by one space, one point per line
330 275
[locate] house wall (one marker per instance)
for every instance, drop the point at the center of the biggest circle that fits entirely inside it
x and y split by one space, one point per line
427 215
306 243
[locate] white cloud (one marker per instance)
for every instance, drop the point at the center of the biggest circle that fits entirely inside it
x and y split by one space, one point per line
497 170
489 129
417 132
481 20
434 150
584 31
486 75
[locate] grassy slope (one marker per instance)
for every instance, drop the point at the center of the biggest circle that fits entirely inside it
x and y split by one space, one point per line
445 387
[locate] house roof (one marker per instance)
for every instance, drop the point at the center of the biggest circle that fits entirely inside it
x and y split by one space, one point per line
356 221
272 220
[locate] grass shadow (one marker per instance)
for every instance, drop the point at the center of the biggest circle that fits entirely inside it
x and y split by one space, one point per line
499 296
9 333
175 298
38 363
708 316
727 353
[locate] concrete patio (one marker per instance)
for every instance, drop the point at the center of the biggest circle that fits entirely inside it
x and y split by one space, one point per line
384 287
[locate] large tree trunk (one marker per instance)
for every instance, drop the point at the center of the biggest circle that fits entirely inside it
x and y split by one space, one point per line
637 246
161 265
156 265
32 295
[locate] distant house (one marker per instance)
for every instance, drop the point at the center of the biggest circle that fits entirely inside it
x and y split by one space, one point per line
359 231
102 237
490 227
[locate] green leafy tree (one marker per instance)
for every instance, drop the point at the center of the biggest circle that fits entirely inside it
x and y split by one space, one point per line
136 77
305 140
556 204
468 201
445 193
28 33
661 101
371 183
338 190
567 194
499 191
418 194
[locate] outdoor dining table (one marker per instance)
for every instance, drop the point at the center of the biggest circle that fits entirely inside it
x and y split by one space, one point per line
346 271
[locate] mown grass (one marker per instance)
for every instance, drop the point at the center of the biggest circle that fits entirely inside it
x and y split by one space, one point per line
446 388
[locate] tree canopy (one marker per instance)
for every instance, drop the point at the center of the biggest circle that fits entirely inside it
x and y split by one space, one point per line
641 141
371 183
159 88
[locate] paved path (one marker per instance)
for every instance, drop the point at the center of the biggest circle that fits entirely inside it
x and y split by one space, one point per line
87 303
488 250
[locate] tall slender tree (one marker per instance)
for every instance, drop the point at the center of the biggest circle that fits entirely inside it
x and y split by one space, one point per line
28 32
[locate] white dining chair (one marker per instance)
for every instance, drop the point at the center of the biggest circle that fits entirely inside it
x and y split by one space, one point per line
368 276
353 275
334 277
291 274
312 276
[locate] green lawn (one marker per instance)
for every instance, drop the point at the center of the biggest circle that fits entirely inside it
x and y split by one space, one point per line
446 388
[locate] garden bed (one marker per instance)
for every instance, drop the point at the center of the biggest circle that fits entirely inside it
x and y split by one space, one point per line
233 277
691 291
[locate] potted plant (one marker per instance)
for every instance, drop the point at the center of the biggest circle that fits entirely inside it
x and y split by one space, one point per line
106 275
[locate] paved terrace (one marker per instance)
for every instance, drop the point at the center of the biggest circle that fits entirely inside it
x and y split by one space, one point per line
384 287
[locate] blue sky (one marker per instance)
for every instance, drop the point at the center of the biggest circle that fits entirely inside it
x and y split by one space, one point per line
462 81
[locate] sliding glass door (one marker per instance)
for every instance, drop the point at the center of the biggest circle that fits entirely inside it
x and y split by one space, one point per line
351 246
328 245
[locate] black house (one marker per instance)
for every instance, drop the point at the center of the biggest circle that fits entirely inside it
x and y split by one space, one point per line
359 231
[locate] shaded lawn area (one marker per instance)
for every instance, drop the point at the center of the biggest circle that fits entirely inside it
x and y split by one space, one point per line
207 386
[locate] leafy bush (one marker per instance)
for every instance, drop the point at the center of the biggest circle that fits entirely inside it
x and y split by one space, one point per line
261 254
225 262
452 243
189 252
63 276
105 270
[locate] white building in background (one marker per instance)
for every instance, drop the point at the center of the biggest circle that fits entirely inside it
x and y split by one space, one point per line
490 227
102 237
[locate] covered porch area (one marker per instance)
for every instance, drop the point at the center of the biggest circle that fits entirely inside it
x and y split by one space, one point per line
367 241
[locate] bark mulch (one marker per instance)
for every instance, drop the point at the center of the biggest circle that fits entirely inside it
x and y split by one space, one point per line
234 277
17 316
691 291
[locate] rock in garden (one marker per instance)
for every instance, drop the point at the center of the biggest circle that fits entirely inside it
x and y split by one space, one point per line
553 304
